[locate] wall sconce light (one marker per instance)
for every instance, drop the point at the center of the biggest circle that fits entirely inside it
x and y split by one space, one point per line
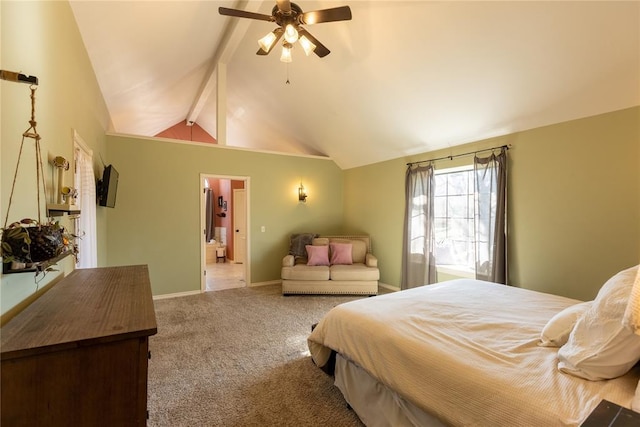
302 194
62 165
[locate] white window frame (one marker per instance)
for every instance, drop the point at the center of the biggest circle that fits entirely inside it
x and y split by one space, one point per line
458 270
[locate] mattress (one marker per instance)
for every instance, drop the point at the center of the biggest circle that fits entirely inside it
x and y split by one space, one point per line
466 352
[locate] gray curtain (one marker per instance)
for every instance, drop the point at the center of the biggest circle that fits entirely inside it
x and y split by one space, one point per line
491 217
209 217
418 260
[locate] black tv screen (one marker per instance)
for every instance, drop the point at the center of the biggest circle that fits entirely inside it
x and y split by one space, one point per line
108 187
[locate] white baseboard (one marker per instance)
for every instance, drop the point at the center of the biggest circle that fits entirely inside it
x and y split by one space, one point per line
271 282
390 287
176 295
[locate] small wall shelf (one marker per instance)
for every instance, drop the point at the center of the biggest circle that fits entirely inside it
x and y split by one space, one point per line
55 209
36 267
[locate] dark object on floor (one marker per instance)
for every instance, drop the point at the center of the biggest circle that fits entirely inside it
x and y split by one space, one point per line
611 415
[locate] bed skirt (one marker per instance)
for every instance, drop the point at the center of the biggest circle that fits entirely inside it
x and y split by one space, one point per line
374 403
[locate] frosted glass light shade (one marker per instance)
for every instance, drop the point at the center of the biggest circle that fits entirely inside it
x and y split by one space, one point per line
290 34
267 41
286 53
307 45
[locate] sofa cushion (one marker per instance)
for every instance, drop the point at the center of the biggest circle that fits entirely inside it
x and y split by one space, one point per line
320 241
341 253
305 272
358 248
317 255
354 272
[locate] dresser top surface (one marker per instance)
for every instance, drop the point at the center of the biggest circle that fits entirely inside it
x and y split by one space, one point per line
89 305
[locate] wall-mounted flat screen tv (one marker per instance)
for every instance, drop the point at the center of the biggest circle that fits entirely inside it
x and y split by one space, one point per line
108 187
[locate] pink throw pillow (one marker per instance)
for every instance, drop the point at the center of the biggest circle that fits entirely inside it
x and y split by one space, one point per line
341 253
317 255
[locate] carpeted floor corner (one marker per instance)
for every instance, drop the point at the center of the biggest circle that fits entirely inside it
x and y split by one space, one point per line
239 357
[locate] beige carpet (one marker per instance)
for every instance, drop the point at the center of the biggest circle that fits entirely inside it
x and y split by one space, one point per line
239 357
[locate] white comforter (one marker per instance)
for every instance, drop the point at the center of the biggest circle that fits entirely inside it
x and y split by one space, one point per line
466 351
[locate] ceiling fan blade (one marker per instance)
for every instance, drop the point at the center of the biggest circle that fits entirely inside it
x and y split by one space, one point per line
342 13
244 14
278 33
321 50
284 6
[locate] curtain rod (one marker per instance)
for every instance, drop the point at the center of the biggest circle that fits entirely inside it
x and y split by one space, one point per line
506 147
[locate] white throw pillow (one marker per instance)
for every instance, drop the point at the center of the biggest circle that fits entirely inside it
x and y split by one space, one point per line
556 331
600 346
632 313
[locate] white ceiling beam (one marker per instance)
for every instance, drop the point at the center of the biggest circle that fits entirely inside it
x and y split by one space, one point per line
232 35
221 104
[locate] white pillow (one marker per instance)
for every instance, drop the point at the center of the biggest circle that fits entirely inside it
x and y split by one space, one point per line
632 313
600 346
556 331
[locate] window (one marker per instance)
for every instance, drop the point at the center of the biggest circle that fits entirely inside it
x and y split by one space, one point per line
451 228
454 199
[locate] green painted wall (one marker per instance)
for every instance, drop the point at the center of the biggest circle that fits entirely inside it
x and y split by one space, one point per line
574 203
42 39
374 204
574 216
156 220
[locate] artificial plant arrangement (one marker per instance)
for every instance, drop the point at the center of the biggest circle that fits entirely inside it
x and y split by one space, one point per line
28 243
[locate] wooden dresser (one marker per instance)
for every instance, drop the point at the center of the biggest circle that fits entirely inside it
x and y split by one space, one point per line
78 355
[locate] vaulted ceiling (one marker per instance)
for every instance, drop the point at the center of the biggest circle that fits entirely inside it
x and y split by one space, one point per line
403 77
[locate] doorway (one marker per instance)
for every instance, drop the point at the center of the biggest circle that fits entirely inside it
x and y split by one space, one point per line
224 238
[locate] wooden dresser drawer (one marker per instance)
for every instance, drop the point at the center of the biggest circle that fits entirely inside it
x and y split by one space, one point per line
79 354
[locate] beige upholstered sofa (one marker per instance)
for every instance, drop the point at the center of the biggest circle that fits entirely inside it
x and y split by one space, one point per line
359 278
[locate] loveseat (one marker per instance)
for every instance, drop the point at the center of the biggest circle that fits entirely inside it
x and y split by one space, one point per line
330 265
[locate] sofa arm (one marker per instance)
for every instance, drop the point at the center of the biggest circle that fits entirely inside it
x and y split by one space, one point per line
288 261
370 260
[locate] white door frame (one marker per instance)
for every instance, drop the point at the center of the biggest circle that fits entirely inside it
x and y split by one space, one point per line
203 248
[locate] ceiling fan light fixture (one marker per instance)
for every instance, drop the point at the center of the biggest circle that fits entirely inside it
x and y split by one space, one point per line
289 17
290 34
267 41
286 53
307 45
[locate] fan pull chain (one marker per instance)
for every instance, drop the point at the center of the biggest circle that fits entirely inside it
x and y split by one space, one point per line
287 82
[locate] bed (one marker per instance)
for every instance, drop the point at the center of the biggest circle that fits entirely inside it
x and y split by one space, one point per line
473 353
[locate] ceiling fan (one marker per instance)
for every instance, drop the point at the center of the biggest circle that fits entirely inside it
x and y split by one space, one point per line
290 18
